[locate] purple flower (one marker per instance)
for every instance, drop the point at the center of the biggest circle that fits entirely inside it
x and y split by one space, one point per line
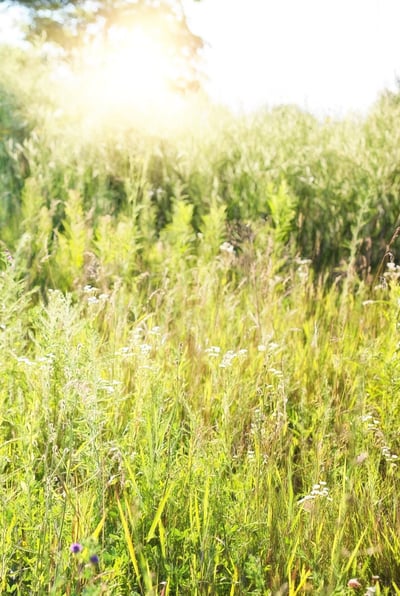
94 559
76 548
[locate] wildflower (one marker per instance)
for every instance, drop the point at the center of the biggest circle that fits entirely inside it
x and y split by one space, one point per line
275 372
25 361
227 359
145 349
94 559
125 351
354 583
88 289
300 261
227 247
375 579
360 459
213 351
272 346
76 548
319 490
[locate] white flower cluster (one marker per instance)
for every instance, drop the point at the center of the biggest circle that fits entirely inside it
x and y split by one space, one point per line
141 344
227 247
303 270
389 456
319 490
270 347
42 360
392 274
91 293
392 270
213 351
108 386
373 427
227 358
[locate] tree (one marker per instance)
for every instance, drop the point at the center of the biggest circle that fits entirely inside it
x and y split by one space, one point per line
67 22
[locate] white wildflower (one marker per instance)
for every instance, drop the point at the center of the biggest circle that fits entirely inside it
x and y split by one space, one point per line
228 248
213 351
319 490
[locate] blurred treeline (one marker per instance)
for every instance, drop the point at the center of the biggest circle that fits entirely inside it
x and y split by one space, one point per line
80 201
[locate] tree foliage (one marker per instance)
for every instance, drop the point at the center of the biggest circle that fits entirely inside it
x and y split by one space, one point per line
68 22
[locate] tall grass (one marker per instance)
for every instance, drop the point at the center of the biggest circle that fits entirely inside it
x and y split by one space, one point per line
198 383
340 178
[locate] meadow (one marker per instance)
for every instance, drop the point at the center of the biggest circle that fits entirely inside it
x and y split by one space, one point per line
199 356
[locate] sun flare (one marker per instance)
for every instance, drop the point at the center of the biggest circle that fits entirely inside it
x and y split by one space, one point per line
126 77
131 66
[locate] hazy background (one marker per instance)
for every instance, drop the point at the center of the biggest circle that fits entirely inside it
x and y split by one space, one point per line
329 55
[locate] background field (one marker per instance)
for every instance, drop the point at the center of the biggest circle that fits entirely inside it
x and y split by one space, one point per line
199 349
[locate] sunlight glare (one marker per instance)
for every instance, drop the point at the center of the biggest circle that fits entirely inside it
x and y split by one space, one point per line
134 67
126 78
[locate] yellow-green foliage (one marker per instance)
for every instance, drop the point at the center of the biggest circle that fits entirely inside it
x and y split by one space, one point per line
71 242
227 436
282 208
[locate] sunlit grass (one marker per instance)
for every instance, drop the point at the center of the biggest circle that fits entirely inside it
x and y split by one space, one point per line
199 378
191 437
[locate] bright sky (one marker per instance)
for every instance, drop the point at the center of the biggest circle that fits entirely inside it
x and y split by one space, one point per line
330 56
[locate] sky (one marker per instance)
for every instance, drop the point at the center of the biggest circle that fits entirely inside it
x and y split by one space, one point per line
328 56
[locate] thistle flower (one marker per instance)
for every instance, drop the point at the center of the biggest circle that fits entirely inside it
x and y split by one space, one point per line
94 559
76 548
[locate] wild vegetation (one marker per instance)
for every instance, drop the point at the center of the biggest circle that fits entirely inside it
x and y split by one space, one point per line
199 349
